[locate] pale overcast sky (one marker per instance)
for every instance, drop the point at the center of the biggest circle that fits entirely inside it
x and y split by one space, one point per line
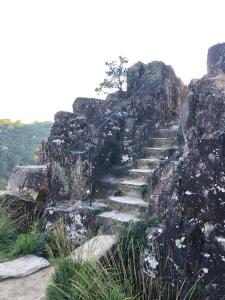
52 51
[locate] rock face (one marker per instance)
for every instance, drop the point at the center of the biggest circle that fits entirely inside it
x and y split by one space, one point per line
100 135
193 229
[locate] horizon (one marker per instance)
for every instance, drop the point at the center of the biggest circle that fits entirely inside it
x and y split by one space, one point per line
53 52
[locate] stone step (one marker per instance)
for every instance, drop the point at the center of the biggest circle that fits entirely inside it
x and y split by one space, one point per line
160 142
157 152
133 187
166 133
110 182
174 123
112 222
139 173
135 206
147 163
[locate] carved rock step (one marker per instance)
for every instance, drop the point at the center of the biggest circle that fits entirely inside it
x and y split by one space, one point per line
157 152
133 187
160 142
147 163
135 206
139 173
111 222
166 133
110 182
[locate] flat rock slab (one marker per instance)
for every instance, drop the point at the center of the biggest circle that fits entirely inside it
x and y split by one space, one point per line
32 287
23 266
95 248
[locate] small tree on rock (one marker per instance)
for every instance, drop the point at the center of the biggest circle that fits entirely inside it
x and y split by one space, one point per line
116 76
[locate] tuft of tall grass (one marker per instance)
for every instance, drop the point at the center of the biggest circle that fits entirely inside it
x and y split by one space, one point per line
58 242
126 263
8 228
120 275
79 280
33 242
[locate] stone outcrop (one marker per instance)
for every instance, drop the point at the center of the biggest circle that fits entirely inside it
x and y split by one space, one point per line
29 179
105 134
193 229
27 191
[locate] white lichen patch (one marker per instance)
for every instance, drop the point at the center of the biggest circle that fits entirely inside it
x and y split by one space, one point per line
152 262
207 229
125 158
221 241
179 243
57 141
198 174
205 270
206 255
205 193
188 193
221 189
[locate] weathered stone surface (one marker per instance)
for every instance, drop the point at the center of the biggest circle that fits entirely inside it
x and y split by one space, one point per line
155 91
193 229
32 287
95 248
216 58
20 205
29 183
78 218
23 266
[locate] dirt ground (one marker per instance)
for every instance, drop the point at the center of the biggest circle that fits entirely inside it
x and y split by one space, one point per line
28 288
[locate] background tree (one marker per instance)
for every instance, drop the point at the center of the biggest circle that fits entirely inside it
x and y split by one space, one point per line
116 76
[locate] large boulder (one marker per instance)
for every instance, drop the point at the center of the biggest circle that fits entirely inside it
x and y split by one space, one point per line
193 229
155 91
28 184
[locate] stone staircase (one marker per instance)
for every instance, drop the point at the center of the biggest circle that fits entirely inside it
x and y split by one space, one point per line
127 202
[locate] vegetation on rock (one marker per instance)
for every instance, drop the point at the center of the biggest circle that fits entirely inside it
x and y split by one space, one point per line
116 76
